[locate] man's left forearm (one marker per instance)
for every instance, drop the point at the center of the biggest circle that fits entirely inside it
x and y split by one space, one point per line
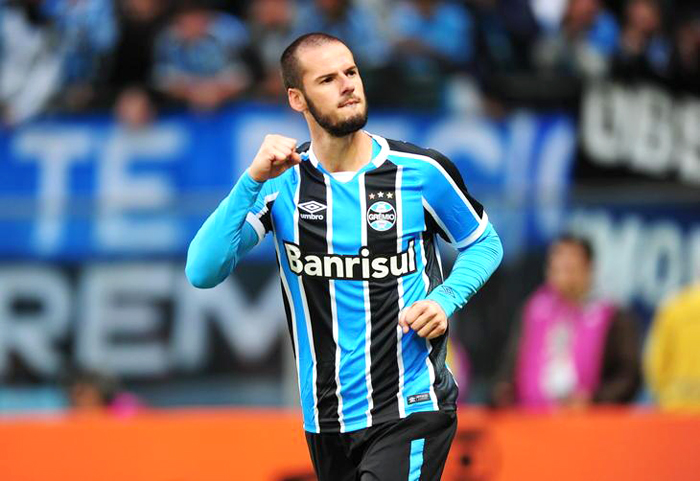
471 270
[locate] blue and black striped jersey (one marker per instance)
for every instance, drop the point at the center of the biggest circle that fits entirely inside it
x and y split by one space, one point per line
352 254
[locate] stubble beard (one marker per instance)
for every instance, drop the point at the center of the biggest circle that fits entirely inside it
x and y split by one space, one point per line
339 128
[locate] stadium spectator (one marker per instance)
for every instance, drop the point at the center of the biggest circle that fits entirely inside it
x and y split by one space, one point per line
685 60
355 25
583 45
30 64
548 13
359 26
570 348
87 32
644 51
432 38
90 391
272 29
433 33
505 32
203 58
131 94
672 358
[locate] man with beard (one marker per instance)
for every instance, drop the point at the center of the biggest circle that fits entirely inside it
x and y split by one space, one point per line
355 219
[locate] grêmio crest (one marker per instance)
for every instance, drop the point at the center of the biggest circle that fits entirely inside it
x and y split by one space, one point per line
381 216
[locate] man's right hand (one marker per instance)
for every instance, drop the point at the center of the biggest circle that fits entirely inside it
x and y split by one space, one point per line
277 154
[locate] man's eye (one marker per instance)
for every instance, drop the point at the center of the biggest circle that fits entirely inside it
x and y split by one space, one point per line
326 80
352 73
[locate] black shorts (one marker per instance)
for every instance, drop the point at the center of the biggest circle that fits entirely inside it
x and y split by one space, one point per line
411 449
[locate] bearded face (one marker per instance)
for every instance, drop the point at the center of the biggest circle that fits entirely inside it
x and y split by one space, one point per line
332 89
336 125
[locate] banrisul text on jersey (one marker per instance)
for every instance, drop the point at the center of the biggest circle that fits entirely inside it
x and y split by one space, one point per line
363 266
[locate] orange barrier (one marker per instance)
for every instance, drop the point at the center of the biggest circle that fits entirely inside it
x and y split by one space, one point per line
250 445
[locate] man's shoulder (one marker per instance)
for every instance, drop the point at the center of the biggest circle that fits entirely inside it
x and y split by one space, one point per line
421 157
399 148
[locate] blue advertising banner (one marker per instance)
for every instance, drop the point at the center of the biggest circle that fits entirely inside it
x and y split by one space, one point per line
644 252
88 188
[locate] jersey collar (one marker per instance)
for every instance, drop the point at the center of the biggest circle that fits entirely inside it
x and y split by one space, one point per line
377 160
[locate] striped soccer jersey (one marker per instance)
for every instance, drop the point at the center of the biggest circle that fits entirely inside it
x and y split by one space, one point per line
351 256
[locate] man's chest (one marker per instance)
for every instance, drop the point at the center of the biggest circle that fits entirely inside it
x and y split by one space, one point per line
362 229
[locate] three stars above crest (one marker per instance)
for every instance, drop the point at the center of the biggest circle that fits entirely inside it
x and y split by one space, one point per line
389 195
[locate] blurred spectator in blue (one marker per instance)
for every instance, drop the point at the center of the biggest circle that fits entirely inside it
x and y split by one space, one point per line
30 64
644 50
139 23
584 43
685 60
569 347
355 25
506 30
432 38
359 26
87 32
432 35
271 25
203 58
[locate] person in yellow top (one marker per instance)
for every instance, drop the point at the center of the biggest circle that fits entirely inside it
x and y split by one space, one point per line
672 359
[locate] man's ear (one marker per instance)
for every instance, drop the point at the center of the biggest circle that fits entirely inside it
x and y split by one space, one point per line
296 99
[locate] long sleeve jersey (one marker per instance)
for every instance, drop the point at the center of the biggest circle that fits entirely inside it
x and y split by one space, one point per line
352 254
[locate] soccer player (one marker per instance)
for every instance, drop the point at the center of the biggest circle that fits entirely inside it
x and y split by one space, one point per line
355 218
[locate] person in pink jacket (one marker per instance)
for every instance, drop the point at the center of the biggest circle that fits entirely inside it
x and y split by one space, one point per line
569 348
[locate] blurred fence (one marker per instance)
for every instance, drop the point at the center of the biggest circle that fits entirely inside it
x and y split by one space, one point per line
605 445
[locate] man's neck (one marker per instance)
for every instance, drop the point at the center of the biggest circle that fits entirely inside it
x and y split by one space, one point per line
341 154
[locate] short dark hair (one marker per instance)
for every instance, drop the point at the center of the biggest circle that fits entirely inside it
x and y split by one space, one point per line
584 244
291 70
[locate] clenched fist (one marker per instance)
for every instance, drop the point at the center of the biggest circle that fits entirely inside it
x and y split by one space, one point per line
426 318
277 154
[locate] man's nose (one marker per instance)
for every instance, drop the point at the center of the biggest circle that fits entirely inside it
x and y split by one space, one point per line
348 85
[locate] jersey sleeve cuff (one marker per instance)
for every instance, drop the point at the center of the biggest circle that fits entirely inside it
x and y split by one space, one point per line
446 299
255 223
249 183
474 236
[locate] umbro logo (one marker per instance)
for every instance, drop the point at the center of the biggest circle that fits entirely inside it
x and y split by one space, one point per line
311 210
311 206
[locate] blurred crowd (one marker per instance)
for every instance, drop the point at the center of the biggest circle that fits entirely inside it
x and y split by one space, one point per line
570 347
139 57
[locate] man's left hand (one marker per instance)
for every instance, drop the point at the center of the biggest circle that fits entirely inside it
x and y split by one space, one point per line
426 318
